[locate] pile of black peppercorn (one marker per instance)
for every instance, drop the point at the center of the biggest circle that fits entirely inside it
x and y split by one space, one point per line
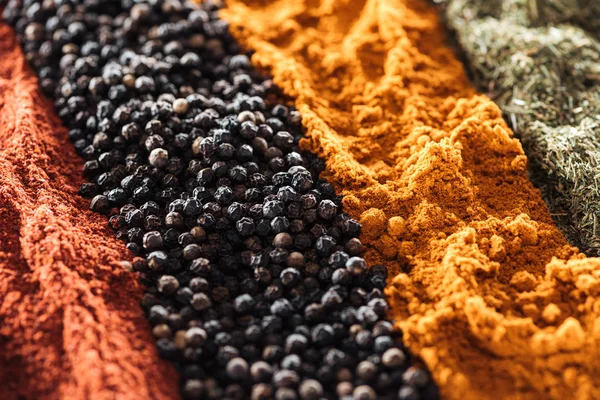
255 283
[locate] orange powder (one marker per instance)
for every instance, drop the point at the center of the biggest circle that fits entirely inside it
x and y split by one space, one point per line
71 326
484 286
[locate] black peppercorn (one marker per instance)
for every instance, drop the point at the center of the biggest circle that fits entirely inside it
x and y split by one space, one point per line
168 284
99 203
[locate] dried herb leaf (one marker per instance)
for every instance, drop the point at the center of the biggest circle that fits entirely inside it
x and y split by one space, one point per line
540 61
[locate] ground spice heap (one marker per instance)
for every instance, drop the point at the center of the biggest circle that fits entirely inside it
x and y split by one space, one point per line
71 326
540 61
256 284
484 286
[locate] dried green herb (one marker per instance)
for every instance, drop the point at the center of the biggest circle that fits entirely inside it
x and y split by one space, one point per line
540 61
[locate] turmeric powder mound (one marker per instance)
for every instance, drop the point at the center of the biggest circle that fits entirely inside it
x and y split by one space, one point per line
484 286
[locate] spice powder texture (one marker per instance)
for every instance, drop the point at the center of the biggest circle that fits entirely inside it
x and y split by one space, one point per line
484 287
71 326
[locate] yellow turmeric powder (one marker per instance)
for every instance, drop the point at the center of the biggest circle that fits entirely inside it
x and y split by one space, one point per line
483 285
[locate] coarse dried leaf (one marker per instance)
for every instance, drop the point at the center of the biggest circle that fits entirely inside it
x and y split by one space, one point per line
540 61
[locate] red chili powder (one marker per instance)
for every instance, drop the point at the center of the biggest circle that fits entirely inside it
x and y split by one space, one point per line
71 326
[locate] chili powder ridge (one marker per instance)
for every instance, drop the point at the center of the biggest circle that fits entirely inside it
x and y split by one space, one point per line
486 290
72 326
